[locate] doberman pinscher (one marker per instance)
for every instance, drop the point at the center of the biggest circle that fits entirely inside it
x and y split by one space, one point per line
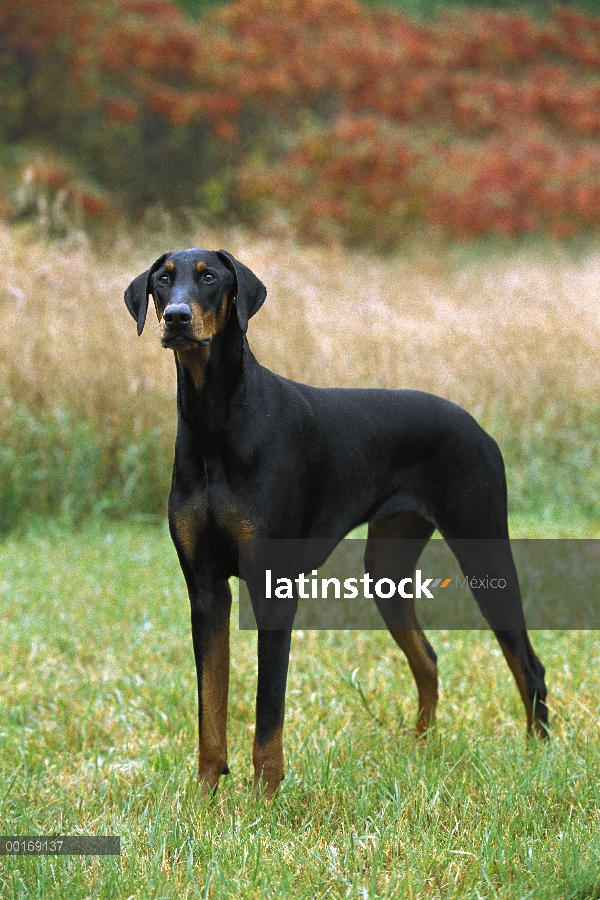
259 456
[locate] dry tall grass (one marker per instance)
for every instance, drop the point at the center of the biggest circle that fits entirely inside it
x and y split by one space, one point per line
519 330
513 338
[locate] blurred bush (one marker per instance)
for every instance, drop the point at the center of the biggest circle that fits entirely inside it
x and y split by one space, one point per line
354 122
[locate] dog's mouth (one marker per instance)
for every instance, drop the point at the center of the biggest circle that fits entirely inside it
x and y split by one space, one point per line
182 341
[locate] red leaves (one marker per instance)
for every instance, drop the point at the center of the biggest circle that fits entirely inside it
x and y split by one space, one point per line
433 119
527 186
356 120
121 111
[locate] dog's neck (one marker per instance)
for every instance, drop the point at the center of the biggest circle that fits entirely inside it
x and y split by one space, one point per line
212 383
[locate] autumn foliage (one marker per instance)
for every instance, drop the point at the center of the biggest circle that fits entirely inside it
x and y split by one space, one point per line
355 122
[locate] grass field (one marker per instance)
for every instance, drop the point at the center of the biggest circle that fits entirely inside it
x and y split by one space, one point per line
98 736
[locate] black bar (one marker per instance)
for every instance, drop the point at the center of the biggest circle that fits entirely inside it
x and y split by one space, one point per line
60 845
466 584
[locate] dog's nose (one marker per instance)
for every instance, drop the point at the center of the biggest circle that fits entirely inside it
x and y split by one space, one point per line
177 314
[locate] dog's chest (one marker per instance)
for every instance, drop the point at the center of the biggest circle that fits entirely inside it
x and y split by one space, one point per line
209 515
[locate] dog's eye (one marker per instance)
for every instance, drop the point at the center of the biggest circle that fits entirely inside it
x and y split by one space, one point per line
164 278
208 277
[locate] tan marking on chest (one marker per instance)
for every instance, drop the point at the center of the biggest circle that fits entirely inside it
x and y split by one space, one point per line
237 524
244 530
187 521
195 361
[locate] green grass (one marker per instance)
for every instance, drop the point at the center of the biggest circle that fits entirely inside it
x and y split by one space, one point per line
98 736
47 455
426 8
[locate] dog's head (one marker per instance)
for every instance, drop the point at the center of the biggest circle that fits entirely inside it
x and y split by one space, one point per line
193 292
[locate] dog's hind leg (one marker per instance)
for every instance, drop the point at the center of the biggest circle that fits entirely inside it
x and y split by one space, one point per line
387 556
473 520
529 675
489 562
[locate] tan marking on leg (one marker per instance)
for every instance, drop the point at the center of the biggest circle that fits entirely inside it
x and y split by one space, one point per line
213 733
414 643
268 763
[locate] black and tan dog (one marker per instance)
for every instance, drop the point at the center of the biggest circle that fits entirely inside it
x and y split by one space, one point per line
258 456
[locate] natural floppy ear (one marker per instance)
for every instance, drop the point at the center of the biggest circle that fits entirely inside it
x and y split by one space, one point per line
136 295
250 292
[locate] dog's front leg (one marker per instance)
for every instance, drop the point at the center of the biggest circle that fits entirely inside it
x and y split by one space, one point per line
210 633
267 753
